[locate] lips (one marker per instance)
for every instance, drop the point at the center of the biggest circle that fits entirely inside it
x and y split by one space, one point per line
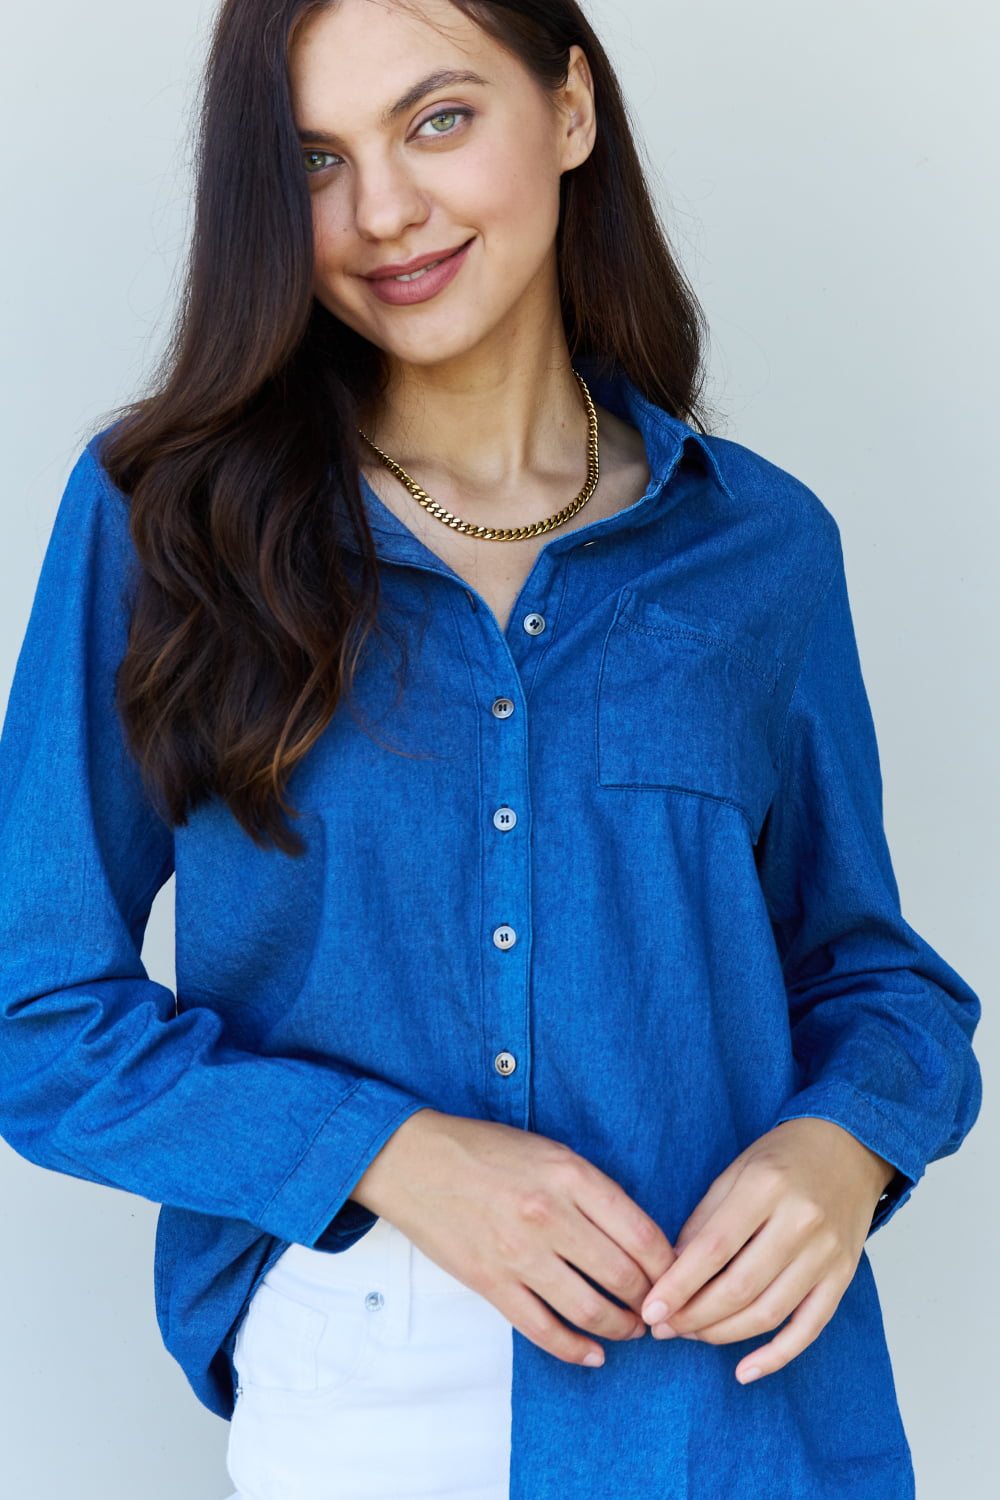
420 280
411 269
415 275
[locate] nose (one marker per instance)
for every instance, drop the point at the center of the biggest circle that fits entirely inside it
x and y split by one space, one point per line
387 200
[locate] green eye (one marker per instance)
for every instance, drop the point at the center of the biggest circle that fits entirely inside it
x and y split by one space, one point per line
447 121
316 161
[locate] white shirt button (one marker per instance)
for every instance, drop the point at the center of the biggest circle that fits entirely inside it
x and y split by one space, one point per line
374 1301
505 1063
503 708
504 818
504 937
534 624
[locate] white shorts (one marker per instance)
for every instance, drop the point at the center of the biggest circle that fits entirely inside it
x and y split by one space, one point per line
370 1374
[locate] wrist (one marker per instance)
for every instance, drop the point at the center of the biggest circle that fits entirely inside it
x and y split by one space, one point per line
886 1177
880 1171
378 1186
883 1172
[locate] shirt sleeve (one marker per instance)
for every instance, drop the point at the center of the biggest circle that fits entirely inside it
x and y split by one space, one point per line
99 1076
881 1026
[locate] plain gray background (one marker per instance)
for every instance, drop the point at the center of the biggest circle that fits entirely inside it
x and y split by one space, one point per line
829 174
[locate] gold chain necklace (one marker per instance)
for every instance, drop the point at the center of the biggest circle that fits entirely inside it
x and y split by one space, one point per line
507 533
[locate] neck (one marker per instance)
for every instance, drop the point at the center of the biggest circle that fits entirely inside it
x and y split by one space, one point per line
490 423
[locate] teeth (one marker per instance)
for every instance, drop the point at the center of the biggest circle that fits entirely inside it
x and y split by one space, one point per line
415 275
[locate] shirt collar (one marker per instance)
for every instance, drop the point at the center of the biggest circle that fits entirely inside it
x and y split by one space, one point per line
666 439
665 436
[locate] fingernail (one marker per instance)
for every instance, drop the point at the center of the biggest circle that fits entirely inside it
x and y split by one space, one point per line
655 1312
593 1358
664 1331
753 1372
638 1333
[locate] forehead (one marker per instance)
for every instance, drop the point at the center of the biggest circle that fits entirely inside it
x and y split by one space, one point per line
379 35
358 56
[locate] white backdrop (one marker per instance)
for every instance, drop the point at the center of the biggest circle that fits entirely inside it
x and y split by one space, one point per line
829 172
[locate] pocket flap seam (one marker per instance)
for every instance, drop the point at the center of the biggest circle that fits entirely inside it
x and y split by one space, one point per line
704 638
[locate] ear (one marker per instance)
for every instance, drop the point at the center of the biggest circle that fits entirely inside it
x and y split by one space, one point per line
576 100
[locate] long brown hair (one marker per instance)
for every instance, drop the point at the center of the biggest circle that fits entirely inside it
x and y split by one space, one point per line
247 621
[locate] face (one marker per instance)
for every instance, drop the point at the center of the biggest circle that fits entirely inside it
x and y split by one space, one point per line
406 166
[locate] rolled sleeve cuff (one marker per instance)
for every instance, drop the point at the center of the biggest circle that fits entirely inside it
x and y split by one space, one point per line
313 1201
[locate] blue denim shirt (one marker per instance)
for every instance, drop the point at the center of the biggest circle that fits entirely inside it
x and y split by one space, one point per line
626 886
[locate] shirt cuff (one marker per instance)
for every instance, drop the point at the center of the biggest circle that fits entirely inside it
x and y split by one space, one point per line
313 1201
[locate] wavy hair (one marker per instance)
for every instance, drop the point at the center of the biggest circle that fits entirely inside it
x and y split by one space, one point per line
247 620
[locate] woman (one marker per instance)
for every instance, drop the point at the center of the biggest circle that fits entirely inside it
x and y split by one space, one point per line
547 1037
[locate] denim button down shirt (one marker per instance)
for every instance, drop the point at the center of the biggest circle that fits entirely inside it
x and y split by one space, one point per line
687 931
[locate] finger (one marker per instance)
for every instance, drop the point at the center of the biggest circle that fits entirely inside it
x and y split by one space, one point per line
538 1323
553 1245
605 1203
601 1261
806 1323
594 1254
704 1210
765 1312
723 1234
765 1259
585 1306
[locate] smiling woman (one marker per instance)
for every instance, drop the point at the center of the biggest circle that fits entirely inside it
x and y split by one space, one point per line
520 1126
487 186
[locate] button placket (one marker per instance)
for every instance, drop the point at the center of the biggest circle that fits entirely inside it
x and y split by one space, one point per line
506 884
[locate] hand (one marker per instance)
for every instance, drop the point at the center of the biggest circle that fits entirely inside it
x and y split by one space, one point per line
515 1216
778 1235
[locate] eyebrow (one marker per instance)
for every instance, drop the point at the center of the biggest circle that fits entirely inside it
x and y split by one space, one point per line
443 78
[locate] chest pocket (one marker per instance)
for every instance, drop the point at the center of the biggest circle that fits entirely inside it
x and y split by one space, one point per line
685 703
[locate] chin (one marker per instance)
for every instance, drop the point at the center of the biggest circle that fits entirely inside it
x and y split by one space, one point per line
432 333
430 352
439 342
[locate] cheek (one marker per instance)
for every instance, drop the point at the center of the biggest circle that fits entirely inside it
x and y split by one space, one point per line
329 237
332 242
514 197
